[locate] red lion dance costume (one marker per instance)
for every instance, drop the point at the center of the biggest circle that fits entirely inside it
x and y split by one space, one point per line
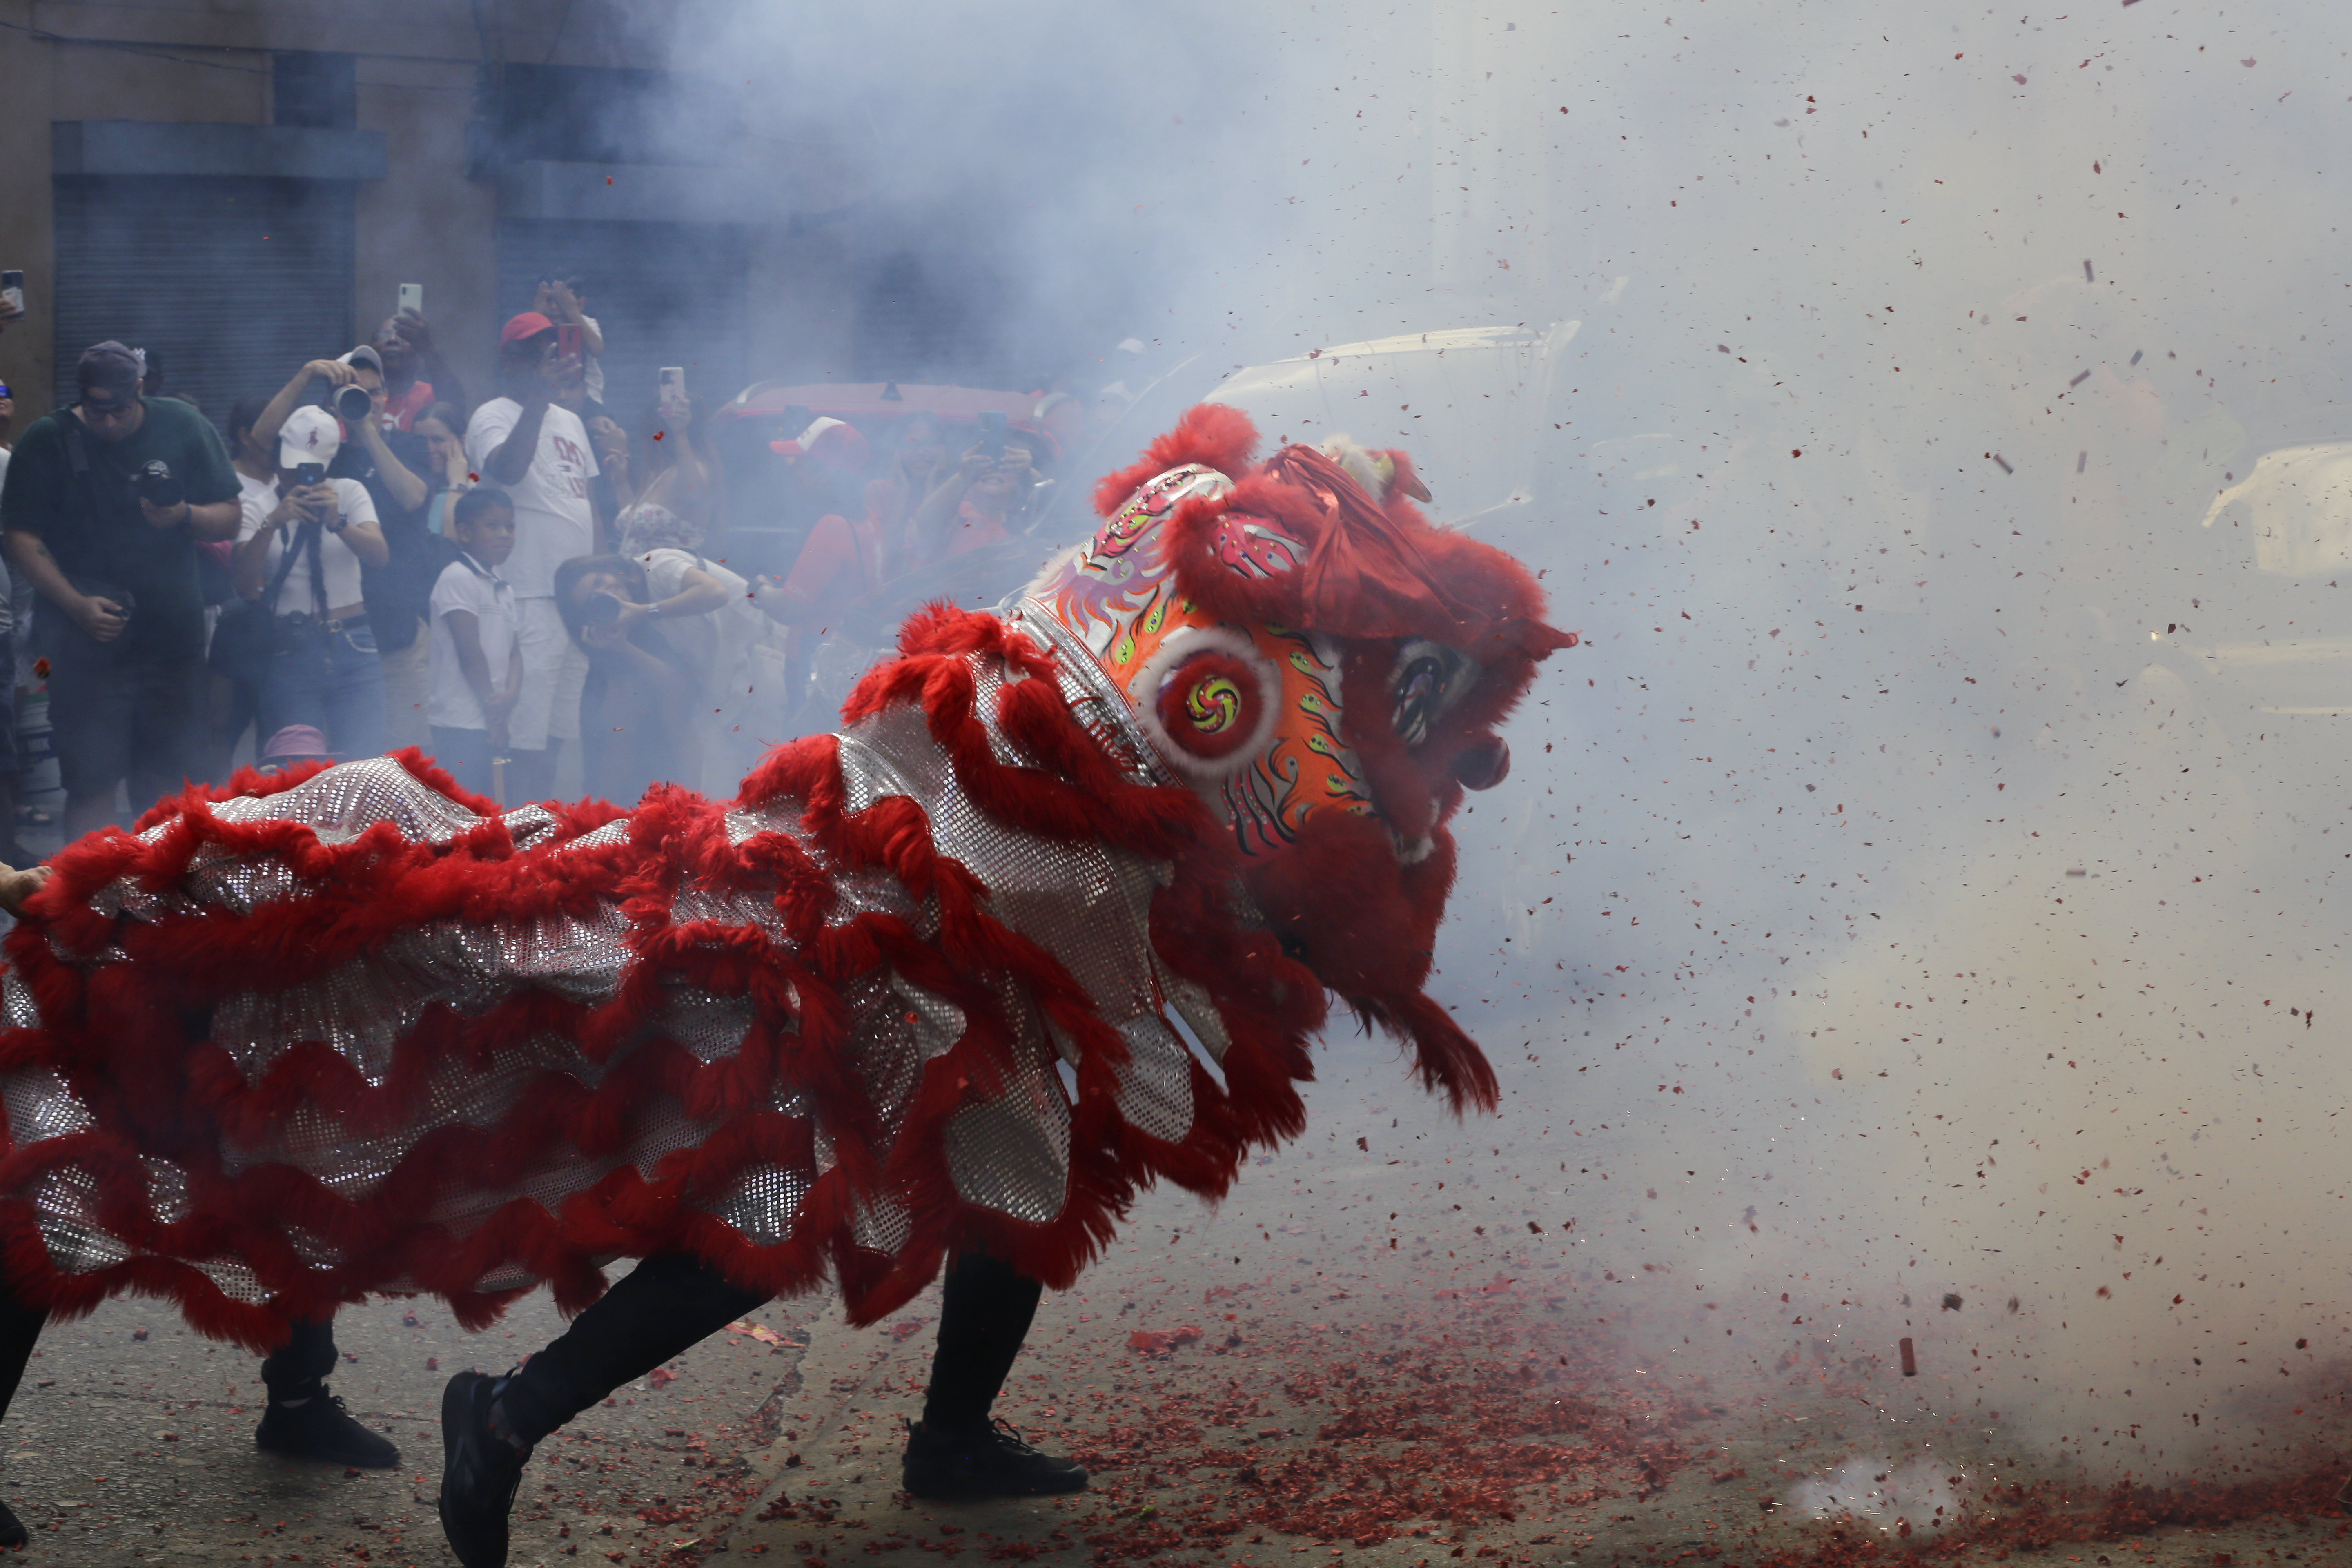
1053 916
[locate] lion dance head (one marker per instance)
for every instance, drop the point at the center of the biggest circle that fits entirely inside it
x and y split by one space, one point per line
1327 672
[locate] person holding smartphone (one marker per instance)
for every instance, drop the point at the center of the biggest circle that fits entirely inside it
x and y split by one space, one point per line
415 376
982 500
563 300
324 671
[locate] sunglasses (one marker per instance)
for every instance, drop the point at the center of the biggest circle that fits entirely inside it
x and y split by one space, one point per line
4 390
96 405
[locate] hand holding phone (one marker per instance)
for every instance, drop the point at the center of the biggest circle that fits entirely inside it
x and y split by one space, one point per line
412 299
11 294
672 395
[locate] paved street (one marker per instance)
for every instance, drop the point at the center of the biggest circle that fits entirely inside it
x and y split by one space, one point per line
1268 1385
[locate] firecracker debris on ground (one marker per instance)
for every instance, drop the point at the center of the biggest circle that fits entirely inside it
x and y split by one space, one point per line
1272 1383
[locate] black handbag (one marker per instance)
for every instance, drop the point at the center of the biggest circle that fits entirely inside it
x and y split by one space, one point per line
250 632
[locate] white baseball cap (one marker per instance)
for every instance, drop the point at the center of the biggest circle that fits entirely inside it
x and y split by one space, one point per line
311 435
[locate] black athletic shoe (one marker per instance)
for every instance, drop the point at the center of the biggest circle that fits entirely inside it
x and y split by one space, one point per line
320 1429
12 1529
479 1473
982 1462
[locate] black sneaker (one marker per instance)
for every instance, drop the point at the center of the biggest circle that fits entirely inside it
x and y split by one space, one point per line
982 1462
319 1428
12 1529
479 1472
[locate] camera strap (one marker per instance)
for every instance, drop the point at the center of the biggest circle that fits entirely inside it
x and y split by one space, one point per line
305 540
317 570
70 430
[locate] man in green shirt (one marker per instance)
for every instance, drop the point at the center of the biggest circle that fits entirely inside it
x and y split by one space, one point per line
120 616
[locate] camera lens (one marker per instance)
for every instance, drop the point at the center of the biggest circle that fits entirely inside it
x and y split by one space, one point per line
600 609
353 404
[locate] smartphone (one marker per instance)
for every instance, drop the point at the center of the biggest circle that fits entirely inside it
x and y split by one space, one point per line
412 297
991 432
11 288
673 386
568 340
310 474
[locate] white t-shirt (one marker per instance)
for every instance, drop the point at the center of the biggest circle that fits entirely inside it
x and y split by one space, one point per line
251 489
339 562
553 521
466 585
716 640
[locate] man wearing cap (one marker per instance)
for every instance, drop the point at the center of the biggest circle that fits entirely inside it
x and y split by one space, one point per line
528 442
392 463
121 613
324 672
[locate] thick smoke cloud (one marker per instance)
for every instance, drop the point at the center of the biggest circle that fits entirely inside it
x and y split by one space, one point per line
1923 886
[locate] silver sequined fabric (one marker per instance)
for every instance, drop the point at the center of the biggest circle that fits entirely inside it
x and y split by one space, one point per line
1086 905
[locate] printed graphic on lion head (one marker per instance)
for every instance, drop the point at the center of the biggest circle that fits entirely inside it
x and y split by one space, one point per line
1327 670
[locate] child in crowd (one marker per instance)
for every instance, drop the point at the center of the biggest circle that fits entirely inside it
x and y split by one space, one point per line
473 616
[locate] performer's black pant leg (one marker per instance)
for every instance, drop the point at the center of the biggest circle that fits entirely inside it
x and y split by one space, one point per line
985 1311
306 1357
20 1327
666 1305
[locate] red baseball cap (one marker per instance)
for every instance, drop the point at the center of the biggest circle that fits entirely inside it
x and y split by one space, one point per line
530 324
832 442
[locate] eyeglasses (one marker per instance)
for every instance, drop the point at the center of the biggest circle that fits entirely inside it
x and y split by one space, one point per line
94 405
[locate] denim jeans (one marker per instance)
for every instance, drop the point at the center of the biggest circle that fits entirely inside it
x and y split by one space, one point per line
330 680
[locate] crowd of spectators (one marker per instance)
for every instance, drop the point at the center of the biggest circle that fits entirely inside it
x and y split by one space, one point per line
368 561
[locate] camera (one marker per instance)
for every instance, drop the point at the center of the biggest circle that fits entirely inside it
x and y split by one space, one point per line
991 432
601 608
156 484
353 404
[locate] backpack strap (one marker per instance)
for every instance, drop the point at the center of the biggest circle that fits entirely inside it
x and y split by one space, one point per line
69 429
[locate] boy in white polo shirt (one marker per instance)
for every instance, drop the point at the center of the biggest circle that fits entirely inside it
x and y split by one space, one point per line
478 663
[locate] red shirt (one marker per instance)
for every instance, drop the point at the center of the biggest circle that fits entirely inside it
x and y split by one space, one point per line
401 409
841 560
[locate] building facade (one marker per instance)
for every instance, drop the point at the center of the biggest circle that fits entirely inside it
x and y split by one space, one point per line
241 186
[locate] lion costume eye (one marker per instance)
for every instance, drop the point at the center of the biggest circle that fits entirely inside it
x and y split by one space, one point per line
1430 680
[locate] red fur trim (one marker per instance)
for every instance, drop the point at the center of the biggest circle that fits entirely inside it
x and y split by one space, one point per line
1212 434
119 1031
1374 570
1368 927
